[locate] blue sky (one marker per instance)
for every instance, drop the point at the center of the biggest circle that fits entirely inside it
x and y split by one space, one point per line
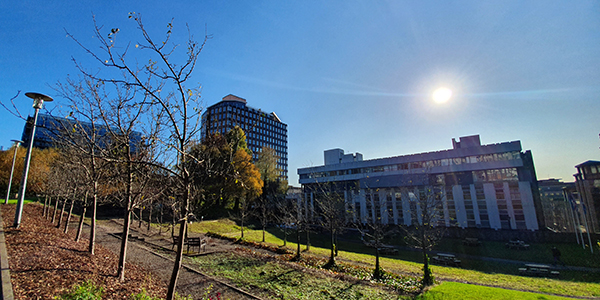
356 75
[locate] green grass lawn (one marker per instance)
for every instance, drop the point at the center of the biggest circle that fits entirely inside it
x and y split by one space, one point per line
14 201
455 290
474 271
280 281
573 254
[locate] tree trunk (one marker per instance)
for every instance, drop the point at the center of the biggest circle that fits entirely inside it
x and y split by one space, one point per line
126 220
124 240
69 217
307 238
427 280
141 210
149 215
377 273
242 228
92 243
182 230
263 233
161 220
80 227
55 209
332 254
62 212
173 224
45 206
335 238
298 240
47 214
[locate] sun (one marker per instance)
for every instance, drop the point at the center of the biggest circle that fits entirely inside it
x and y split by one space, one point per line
442 95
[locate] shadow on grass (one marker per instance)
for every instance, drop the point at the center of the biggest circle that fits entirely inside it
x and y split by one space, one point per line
350 242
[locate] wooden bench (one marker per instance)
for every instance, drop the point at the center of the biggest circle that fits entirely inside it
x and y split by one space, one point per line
193 242
516 244
471 242
538 270
176 241
446 259
203 244
388 250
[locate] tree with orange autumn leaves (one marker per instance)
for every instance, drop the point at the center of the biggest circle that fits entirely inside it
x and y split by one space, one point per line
39 170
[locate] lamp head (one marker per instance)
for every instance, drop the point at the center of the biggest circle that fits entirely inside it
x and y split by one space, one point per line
38 99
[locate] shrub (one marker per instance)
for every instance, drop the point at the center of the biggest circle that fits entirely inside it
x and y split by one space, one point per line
143 296
84 291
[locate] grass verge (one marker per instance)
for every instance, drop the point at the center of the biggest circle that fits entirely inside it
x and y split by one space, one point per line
455 290
491 273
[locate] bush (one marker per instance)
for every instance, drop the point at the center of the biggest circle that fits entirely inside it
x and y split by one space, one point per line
84 291
143 296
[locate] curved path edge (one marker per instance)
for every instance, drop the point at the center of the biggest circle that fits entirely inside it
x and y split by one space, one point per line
7 290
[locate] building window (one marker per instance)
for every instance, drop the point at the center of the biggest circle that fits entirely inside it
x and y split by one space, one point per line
399 208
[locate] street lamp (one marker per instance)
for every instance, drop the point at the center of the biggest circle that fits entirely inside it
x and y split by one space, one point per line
38 102
17 143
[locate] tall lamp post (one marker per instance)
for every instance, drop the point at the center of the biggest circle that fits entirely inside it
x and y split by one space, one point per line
17 143
38 102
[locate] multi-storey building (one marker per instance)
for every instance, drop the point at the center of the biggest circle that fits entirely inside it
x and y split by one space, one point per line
50 132
481 186
587 182
556 207
262 129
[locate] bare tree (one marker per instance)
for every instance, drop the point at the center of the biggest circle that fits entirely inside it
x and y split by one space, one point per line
290 216
82 136
243 212
263 209
331 208
285 217
424 233
163 82
373 233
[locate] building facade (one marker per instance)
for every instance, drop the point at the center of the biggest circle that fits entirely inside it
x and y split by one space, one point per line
262 129
480 186
587 182
50 128
557 213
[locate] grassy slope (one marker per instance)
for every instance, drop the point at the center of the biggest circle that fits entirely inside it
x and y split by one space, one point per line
408 263
283 282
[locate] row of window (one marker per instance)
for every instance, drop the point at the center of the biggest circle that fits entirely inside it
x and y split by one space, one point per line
257 136
429 164
246 116
394 210
491 175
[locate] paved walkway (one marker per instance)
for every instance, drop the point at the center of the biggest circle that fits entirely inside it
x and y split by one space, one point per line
146 254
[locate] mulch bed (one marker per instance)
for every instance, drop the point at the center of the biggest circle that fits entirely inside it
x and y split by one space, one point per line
45 262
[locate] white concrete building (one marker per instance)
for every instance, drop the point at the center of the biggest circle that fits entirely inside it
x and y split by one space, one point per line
481 186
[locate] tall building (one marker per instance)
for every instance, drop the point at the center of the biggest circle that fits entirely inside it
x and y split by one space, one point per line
261 128
481 186
587 182
556 207
49 128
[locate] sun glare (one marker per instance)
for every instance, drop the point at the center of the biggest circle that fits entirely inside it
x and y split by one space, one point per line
442 95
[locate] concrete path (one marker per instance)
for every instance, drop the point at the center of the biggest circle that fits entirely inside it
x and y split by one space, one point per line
147 254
